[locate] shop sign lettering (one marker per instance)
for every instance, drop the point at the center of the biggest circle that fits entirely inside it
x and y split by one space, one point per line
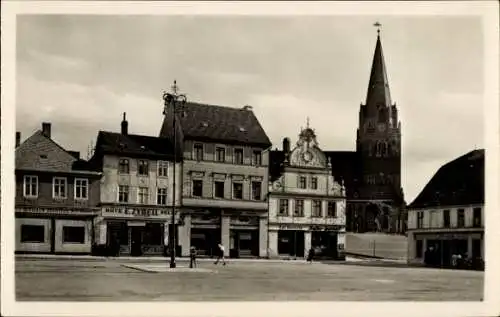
55 211
144 212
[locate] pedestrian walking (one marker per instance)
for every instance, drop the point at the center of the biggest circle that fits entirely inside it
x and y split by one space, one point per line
310 255
192 257
221 255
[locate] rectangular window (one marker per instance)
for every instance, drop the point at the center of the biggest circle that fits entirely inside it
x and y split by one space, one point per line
314 182
123 194
32 234
73 234
316 212
419 245
283 211
153 234
220 154
162 168
197 187
59 187
420 219
256 190
460 218
81 188
123 166
302 182
219 189
476 217
257 158
161 198
332 209
446 218
237 190
238 156
143 167
198 152
30 186
299 208
143 195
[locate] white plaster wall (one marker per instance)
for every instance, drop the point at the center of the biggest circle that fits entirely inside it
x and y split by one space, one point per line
433 217
307 242
263 237
33 247
60 246
273 243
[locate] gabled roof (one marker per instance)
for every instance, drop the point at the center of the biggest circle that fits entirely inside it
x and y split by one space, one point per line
41 153
134 145
459 182
219 124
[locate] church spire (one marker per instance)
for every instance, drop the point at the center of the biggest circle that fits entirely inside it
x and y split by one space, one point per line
378 87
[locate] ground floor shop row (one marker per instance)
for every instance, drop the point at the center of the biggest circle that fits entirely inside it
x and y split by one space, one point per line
439 248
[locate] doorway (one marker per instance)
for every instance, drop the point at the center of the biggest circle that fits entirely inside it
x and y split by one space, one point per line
136 241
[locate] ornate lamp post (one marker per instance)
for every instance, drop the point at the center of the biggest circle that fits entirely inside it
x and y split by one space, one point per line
173 100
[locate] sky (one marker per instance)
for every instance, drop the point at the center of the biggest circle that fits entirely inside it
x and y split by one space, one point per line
81 72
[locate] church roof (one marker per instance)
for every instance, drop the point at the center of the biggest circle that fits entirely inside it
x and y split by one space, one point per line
459 182
213 123
134 145
40 153
378 87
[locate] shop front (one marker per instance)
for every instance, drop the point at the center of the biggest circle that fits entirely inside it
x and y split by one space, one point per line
136 231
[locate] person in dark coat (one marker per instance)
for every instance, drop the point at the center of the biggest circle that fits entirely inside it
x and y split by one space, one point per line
192 257
310 255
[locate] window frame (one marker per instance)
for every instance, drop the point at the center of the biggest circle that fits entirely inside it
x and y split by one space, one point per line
220 150
22 236
121 162
237 151
316 205
196 147
314 182
162 169
460 212
304 184
161 192
193 187
283 202
125 192
64 235
218 182
145 164
420 219
298 212
446 218
143 192
87 185
31 177
257 157
234 191
479 217
330 214
54 187
253 190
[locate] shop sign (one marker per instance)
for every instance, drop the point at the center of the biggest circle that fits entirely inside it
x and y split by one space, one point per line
285 226
325 228
54 211
140 212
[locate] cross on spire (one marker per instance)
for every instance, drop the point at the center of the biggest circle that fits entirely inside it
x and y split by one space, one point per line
307 123
175 88
378 25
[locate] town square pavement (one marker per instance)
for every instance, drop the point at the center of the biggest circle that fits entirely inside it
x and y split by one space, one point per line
104 279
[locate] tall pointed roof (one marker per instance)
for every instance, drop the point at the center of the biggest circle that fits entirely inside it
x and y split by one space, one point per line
378 87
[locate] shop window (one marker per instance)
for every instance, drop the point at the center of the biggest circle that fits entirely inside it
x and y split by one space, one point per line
198 152
30 186
460 218
238 156
32 234
123 166
123 194
419 245
153 234
143 167
314 182
299 208
302 182
283 207
161 198
81 188
219 189
72 234
446 218
476 219
257 158
220 153
197 187
332 209
256 190
59 187
237 190
162 168
316 212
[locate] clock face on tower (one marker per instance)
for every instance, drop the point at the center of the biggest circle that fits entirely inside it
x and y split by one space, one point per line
307 156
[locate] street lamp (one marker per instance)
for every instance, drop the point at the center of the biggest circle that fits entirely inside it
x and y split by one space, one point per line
173 99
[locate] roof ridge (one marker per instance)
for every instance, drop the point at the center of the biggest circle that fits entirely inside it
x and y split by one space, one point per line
132 135
218 106
40 132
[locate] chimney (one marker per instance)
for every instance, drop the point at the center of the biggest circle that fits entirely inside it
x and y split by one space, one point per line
124 125
75 154
18 139
46 129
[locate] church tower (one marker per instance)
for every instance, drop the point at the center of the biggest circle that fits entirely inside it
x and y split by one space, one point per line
378 144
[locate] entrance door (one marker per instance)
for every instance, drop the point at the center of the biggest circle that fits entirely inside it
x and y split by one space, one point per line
136 241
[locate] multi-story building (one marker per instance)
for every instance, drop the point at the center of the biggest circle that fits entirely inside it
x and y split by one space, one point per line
224 178
136 192
306 204
447 217
56 197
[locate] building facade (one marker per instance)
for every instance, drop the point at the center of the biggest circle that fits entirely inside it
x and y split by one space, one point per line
447 217
306 204
136 193
224 178
56 197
